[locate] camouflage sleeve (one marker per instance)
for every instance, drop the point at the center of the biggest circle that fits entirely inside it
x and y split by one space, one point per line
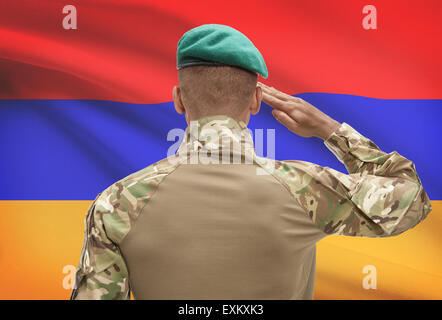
102 273
381 196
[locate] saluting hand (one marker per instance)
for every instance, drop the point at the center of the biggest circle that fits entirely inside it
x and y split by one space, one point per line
298 115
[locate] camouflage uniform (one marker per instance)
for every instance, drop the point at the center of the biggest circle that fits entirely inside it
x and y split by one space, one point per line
381 196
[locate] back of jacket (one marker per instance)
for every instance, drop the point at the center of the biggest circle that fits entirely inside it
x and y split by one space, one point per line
216 221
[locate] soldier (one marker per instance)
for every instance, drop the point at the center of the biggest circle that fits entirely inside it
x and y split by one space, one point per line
182 229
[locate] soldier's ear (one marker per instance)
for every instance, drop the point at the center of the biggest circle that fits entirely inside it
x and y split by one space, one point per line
179 107
256 101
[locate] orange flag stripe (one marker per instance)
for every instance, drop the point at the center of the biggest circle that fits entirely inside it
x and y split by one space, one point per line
41 243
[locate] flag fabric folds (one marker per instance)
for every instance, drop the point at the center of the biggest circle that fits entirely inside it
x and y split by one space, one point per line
81 108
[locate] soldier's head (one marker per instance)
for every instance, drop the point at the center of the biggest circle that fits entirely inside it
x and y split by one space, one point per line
211 90
218 71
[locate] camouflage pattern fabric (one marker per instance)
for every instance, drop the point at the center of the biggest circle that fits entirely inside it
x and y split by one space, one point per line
381 196
211 137
102 273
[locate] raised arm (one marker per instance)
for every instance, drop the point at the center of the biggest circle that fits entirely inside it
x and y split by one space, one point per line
381 196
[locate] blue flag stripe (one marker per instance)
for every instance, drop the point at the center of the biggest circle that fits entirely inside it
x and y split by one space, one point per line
73 149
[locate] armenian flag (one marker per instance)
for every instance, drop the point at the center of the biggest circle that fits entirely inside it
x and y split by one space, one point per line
86 99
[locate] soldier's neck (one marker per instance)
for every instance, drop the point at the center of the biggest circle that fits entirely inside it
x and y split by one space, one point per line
243 117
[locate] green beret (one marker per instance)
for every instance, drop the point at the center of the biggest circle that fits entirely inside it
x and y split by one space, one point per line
216 44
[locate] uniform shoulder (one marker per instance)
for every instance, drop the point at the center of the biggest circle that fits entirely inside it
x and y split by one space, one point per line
303 172
287 167
142 177
120 204
298 175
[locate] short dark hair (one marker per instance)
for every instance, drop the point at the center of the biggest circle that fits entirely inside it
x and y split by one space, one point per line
210 90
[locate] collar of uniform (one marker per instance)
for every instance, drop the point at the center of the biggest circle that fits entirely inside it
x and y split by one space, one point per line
216 132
